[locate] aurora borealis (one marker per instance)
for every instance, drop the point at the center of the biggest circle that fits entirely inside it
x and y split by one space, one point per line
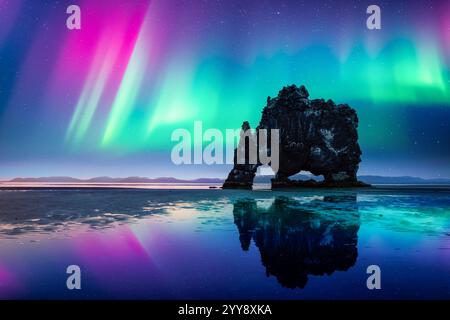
105 99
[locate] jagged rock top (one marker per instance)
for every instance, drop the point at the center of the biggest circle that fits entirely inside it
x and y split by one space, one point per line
296 98
289 96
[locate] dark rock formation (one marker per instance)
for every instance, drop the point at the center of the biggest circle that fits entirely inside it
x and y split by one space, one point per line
297 239
242 175
315 135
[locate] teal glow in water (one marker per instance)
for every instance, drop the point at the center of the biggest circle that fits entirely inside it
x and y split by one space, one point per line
196 244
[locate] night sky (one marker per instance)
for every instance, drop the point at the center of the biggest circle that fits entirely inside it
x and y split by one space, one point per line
105 99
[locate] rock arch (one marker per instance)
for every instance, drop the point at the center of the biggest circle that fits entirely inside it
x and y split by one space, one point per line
315 135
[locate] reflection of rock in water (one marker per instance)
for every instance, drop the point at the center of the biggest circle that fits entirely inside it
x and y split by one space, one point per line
298 239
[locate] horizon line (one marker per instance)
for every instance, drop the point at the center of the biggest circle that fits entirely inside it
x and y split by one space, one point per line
2 179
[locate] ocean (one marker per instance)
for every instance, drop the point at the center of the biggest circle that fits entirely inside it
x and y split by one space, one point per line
186 242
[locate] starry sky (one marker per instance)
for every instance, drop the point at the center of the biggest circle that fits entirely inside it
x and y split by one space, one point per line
105 99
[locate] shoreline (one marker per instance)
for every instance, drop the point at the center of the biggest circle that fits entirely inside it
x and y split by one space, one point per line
4 186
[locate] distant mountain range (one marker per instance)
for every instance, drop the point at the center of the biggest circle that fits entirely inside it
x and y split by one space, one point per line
259 179
115 180
367 179
401 180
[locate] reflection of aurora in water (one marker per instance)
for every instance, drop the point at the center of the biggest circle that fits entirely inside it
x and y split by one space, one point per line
426 213
185 243
42 211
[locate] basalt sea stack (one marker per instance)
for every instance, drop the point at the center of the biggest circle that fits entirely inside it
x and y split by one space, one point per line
315 135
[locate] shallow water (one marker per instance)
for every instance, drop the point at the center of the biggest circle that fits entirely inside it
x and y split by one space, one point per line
208 244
